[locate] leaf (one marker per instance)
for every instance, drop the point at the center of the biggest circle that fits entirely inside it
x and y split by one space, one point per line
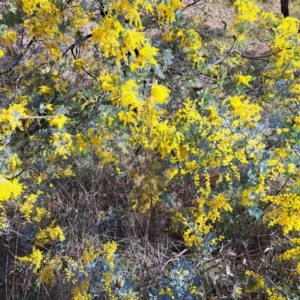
168 199
255 212
10 19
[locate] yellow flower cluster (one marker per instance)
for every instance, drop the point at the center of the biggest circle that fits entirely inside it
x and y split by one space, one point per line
63 143
58 121
50 266
217 204
110 249
145 57
132 40
73 269
286 43
191 239
285 212
67 172
145 192
194 232
292 254
107 36
247 197
7 37
189 41
45 90
243 79
34 260
3 219
130 10
78 17
259 282
89 255
166 11
9 189
44 18
14 163
272 292
246 11
167 291
193 290
79 64
109 253
114 41
49 234
30 208
10 118
246 113
81 292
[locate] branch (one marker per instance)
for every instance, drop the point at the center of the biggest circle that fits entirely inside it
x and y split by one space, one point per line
67 3
286 181
195 2
36 117
78 41
261 56
19 58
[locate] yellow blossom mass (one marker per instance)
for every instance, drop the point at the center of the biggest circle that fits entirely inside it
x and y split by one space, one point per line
243 80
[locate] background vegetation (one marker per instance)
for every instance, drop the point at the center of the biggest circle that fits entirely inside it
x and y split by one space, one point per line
149 150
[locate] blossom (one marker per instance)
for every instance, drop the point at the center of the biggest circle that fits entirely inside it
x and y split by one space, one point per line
246 11
58 121
44 90
49 234
34 259
160 93
243 80
166 11
9 189
79 64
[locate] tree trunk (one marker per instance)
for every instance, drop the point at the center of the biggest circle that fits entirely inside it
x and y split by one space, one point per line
284 8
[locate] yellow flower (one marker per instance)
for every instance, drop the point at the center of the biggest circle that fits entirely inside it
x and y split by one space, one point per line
79 64
9 189
34 259
160 93
243 79
291 168
44 90
12 36
58 121
14 162
246 11
166 11
49 234
49 107
63 143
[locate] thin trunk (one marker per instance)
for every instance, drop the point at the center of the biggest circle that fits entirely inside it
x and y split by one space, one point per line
284 8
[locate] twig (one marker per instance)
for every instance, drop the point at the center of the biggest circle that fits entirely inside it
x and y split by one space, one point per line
36 117
79 40
220 60
191 4
19 58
